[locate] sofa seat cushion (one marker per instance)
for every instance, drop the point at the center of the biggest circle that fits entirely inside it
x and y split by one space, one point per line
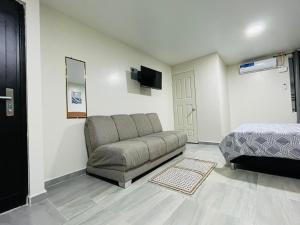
156 146
182 137
171 140
123 156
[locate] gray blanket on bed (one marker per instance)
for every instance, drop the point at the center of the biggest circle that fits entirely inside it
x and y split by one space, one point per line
268 140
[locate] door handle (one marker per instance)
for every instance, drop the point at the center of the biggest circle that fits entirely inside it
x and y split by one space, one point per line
193 110
5 98
10 105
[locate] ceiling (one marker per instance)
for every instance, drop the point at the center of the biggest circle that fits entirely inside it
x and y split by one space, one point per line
175 31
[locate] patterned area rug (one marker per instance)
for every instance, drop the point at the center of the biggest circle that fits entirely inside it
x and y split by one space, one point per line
185 176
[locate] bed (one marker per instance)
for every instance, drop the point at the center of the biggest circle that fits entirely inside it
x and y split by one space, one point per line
262 140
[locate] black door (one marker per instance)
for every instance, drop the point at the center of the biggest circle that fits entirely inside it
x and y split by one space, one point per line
13 129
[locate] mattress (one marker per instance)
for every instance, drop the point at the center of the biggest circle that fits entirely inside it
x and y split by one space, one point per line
264 140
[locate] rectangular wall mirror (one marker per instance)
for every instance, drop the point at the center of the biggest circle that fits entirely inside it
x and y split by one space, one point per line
76 88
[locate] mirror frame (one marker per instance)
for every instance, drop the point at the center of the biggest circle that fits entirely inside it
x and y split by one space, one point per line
75 115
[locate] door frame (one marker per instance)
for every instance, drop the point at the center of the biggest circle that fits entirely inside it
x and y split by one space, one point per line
23 90
196 114
35 159
22 70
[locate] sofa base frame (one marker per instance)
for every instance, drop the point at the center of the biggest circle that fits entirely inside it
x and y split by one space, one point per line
125 184
124 178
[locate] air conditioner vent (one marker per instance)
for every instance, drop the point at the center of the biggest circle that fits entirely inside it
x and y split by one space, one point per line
252 67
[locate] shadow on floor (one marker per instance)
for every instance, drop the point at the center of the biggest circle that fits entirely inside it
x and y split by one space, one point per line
284 174
274 166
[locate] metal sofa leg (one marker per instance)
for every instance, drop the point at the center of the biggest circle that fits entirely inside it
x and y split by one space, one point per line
233 166
125 184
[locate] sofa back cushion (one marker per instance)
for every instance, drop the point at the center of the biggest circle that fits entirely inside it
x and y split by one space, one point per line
155 122
100 130
143 124
125 126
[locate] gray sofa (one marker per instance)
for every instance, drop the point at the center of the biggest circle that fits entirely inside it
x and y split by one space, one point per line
122 147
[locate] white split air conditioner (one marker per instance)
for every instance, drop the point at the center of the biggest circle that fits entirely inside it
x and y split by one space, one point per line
266 64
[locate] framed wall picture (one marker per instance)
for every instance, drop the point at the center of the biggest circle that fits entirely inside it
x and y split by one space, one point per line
76 88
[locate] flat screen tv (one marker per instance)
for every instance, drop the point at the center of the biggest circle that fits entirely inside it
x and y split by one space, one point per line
150 78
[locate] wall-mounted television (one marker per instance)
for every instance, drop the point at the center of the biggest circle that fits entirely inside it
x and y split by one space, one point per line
150 78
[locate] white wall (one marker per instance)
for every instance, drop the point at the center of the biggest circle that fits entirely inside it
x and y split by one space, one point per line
34 99
223 97
259 97
226 99
211 96
108 89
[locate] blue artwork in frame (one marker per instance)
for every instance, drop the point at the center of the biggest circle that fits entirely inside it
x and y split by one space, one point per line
76 97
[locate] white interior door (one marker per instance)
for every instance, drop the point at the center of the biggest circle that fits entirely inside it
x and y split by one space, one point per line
185 104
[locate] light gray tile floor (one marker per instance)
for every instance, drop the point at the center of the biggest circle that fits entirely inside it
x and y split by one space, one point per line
227 197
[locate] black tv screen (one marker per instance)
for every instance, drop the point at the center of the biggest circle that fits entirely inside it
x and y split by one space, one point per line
150 78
